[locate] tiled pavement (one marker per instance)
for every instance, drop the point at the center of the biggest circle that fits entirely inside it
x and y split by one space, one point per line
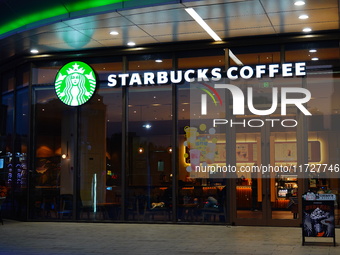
33 238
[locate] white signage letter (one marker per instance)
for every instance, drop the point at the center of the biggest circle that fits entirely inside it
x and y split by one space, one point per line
273 69
112 80
300 69
186 75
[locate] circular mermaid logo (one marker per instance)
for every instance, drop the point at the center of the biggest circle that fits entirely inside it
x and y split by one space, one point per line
75 83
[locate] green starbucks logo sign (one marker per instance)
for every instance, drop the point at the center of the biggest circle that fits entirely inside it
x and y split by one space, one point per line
75 83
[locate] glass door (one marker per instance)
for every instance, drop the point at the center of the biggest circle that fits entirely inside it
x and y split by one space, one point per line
267 183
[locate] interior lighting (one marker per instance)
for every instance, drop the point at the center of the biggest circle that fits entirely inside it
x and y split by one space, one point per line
306 29
299 3
131 43
235 59
169 149
315 59
140 150
158 61
34 51
147 126
203 24
114 33
312 50
303 16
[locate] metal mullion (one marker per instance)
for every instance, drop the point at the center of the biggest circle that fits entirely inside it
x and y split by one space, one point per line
125 143
174 158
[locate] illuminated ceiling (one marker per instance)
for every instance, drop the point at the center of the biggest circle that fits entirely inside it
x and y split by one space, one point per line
63 25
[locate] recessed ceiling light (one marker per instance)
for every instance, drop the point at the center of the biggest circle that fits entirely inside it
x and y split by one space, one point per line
114 33
312 50
315 59
34 51
158 61
303 16
307 29
131 44
299 3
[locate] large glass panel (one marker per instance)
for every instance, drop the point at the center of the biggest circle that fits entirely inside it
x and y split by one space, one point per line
22 76
21 149
55 142
14 132
149 175
7 81
55 139
256 195
255 55
201 195
7 168
321 169
100 148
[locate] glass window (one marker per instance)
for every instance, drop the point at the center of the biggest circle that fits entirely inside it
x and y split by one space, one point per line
54 163
101 148
256 55
8 81
149 174
21 151
314 53
201 196
7 167
23 76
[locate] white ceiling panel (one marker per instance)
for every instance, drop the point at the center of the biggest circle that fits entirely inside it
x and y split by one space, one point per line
171 23
288 5
289 18
172 28
124 32
250 21
88 19
237 9
71 38
183 37
173 15
149 9
116 22
75 45
314 26
121 41
248 32
190 3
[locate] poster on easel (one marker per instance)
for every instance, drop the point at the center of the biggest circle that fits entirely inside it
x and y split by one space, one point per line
318 216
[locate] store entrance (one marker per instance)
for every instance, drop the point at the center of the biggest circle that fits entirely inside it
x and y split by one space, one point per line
264 198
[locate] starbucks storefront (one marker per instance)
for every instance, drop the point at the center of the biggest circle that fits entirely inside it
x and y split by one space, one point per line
218 135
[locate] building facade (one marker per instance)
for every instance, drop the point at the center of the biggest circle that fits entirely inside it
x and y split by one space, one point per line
202 132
